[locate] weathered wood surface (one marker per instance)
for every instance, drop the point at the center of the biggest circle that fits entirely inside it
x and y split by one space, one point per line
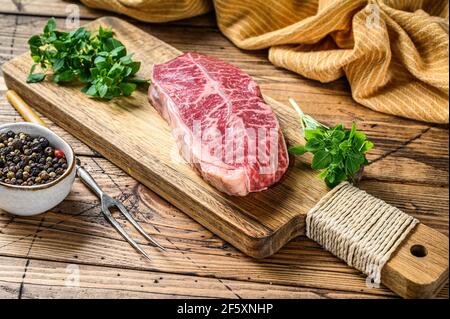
130 133
424 148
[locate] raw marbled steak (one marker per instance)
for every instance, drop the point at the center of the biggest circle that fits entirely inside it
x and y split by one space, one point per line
221 123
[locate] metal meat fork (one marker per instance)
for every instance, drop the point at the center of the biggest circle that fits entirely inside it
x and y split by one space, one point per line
107 203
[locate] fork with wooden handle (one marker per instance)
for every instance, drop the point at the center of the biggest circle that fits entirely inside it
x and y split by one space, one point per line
107 203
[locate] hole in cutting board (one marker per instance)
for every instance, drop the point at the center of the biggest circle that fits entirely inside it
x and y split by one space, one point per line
418 251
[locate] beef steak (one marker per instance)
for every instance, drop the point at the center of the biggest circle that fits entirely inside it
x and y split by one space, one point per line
221 123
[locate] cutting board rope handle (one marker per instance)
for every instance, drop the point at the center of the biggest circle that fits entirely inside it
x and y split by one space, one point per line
360 229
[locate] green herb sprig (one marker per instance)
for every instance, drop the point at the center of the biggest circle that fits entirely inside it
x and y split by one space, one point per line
339 153
96 59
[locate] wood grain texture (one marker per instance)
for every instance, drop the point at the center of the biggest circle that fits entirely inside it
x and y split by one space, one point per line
329 102
132 135
257 224
420 276
53 8
63 8
426 199
76 233
47 279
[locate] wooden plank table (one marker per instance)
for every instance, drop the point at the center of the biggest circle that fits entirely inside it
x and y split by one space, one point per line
40 256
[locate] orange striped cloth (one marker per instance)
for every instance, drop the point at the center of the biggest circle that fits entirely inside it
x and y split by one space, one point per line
394 53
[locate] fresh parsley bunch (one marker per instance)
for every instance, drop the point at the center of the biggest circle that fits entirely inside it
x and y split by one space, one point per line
338 153
96 59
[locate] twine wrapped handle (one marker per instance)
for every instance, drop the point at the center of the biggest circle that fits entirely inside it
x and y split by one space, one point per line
358 228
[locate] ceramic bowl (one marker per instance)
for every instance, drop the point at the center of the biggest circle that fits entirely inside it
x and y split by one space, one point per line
33 200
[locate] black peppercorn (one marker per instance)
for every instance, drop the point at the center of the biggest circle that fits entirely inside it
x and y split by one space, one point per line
37 148
28 161
49 151
22 163
44 175
16 144
43 142
35 171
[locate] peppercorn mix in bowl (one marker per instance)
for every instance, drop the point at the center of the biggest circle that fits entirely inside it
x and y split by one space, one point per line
37 169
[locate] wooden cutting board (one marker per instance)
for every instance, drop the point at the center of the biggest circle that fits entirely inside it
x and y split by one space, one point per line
131 134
